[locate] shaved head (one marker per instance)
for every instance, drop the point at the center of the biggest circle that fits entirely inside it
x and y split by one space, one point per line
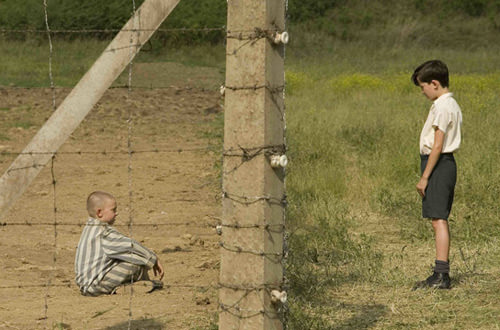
96 200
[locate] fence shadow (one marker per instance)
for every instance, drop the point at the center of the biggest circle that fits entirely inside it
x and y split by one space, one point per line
362 316
366 316
145 324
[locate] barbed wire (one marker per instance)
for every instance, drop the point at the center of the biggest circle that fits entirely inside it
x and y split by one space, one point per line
129 47
92 31
262 287
251 287
247 200
251 34
35 166
50 54
248 37
68 224
246 43
129 143
268 288
72 285
108 152
49 280
267 227
274 91
22 286
248 153
150 87
286 285
278 228
241 34
237 302
102 152
250 313
272 256
277 89
254 35
216 227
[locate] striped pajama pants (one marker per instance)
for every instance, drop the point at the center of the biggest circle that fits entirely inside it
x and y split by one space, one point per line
121 274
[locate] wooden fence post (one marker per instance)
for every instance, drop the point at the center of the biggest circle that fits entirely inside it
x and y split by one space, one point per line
253 190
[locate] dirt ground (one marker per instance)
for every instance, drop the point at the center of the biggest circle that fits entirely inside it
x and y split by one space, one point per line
170 195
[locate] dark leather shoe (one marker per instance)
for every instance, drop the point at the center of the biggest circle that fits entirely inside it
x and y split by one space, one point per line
436 281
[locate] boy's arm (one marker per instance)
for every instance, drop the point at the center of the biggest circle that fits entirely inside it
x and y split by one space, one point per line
119 246
432 161
158 269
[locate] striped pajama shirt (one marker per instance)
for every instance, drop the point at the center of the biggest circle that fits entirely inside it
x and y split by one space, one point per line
106 259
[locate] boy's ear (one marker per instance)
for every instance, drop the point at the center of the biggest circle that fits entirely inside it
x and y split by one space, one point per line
435 83
98 212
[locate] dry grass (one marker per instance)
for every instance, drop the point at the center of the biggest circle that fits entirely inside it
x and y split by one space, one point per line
357 241
354 165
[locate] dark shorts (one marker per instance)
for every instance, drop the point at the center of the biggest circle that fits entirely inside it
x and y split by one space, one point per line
441 187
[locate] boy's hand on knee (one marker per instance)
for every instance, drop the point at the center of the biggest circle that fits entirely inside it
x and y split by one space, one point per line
158 269
421 186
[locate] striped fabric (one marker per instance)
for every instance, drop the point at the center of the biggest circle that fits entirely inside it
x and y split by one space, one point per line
100 250
121 273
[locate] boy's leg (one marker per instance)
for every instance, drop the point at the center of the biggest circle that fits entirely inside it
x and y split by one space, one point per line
440 278
121 274
442 236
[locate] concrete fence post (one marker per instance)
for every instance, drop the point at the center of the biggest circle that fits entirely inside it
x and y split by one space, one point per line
251 274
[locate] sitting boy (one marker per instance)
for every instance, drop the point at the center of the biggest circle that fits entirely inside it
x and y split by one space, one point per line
106 259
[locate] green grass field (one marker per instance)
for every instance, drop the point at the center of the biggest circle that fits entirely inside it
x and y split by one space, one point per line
357 241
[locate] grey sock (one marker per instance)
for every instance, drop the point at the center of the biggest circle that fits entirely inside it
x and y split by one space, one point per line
442 266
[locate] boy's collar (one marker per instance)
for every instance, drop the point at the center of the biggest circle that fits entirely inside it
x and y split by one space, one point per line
444 96
94 221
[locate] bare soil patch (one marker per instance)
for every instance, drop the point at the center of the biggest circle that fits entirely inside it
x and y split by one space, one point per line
170 196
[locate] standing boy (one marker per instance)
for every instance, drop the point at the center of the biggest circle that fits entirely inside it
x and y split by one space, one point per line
105 258
439 139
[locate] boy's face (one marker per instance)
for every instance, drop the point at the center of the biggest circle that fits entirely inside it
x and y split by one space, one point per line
108 212
430 90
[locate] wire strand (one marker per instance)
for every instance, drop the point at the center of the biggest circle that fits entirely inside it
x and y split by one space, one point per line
248 38
50 54
49 280
107 152
90 31
129 144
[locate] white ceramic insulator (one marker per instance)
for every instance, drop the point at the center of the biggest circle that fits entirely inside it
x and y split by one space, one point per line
278 296
281 38
222 90
283 161
279 161
218 229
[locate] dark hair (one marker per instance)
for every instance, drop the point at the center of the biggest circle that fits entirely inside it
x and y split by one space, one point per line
431 70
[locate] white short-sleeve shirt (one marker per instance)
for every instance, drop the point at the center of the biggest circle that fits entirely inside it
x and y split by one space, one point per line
445 114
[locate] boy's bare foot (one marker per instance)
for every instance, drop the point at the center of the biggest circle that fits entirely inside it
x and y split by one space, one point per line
156 285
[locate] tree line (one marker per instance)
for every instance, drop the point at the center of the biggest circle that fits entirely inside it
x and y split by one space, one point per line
199 14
